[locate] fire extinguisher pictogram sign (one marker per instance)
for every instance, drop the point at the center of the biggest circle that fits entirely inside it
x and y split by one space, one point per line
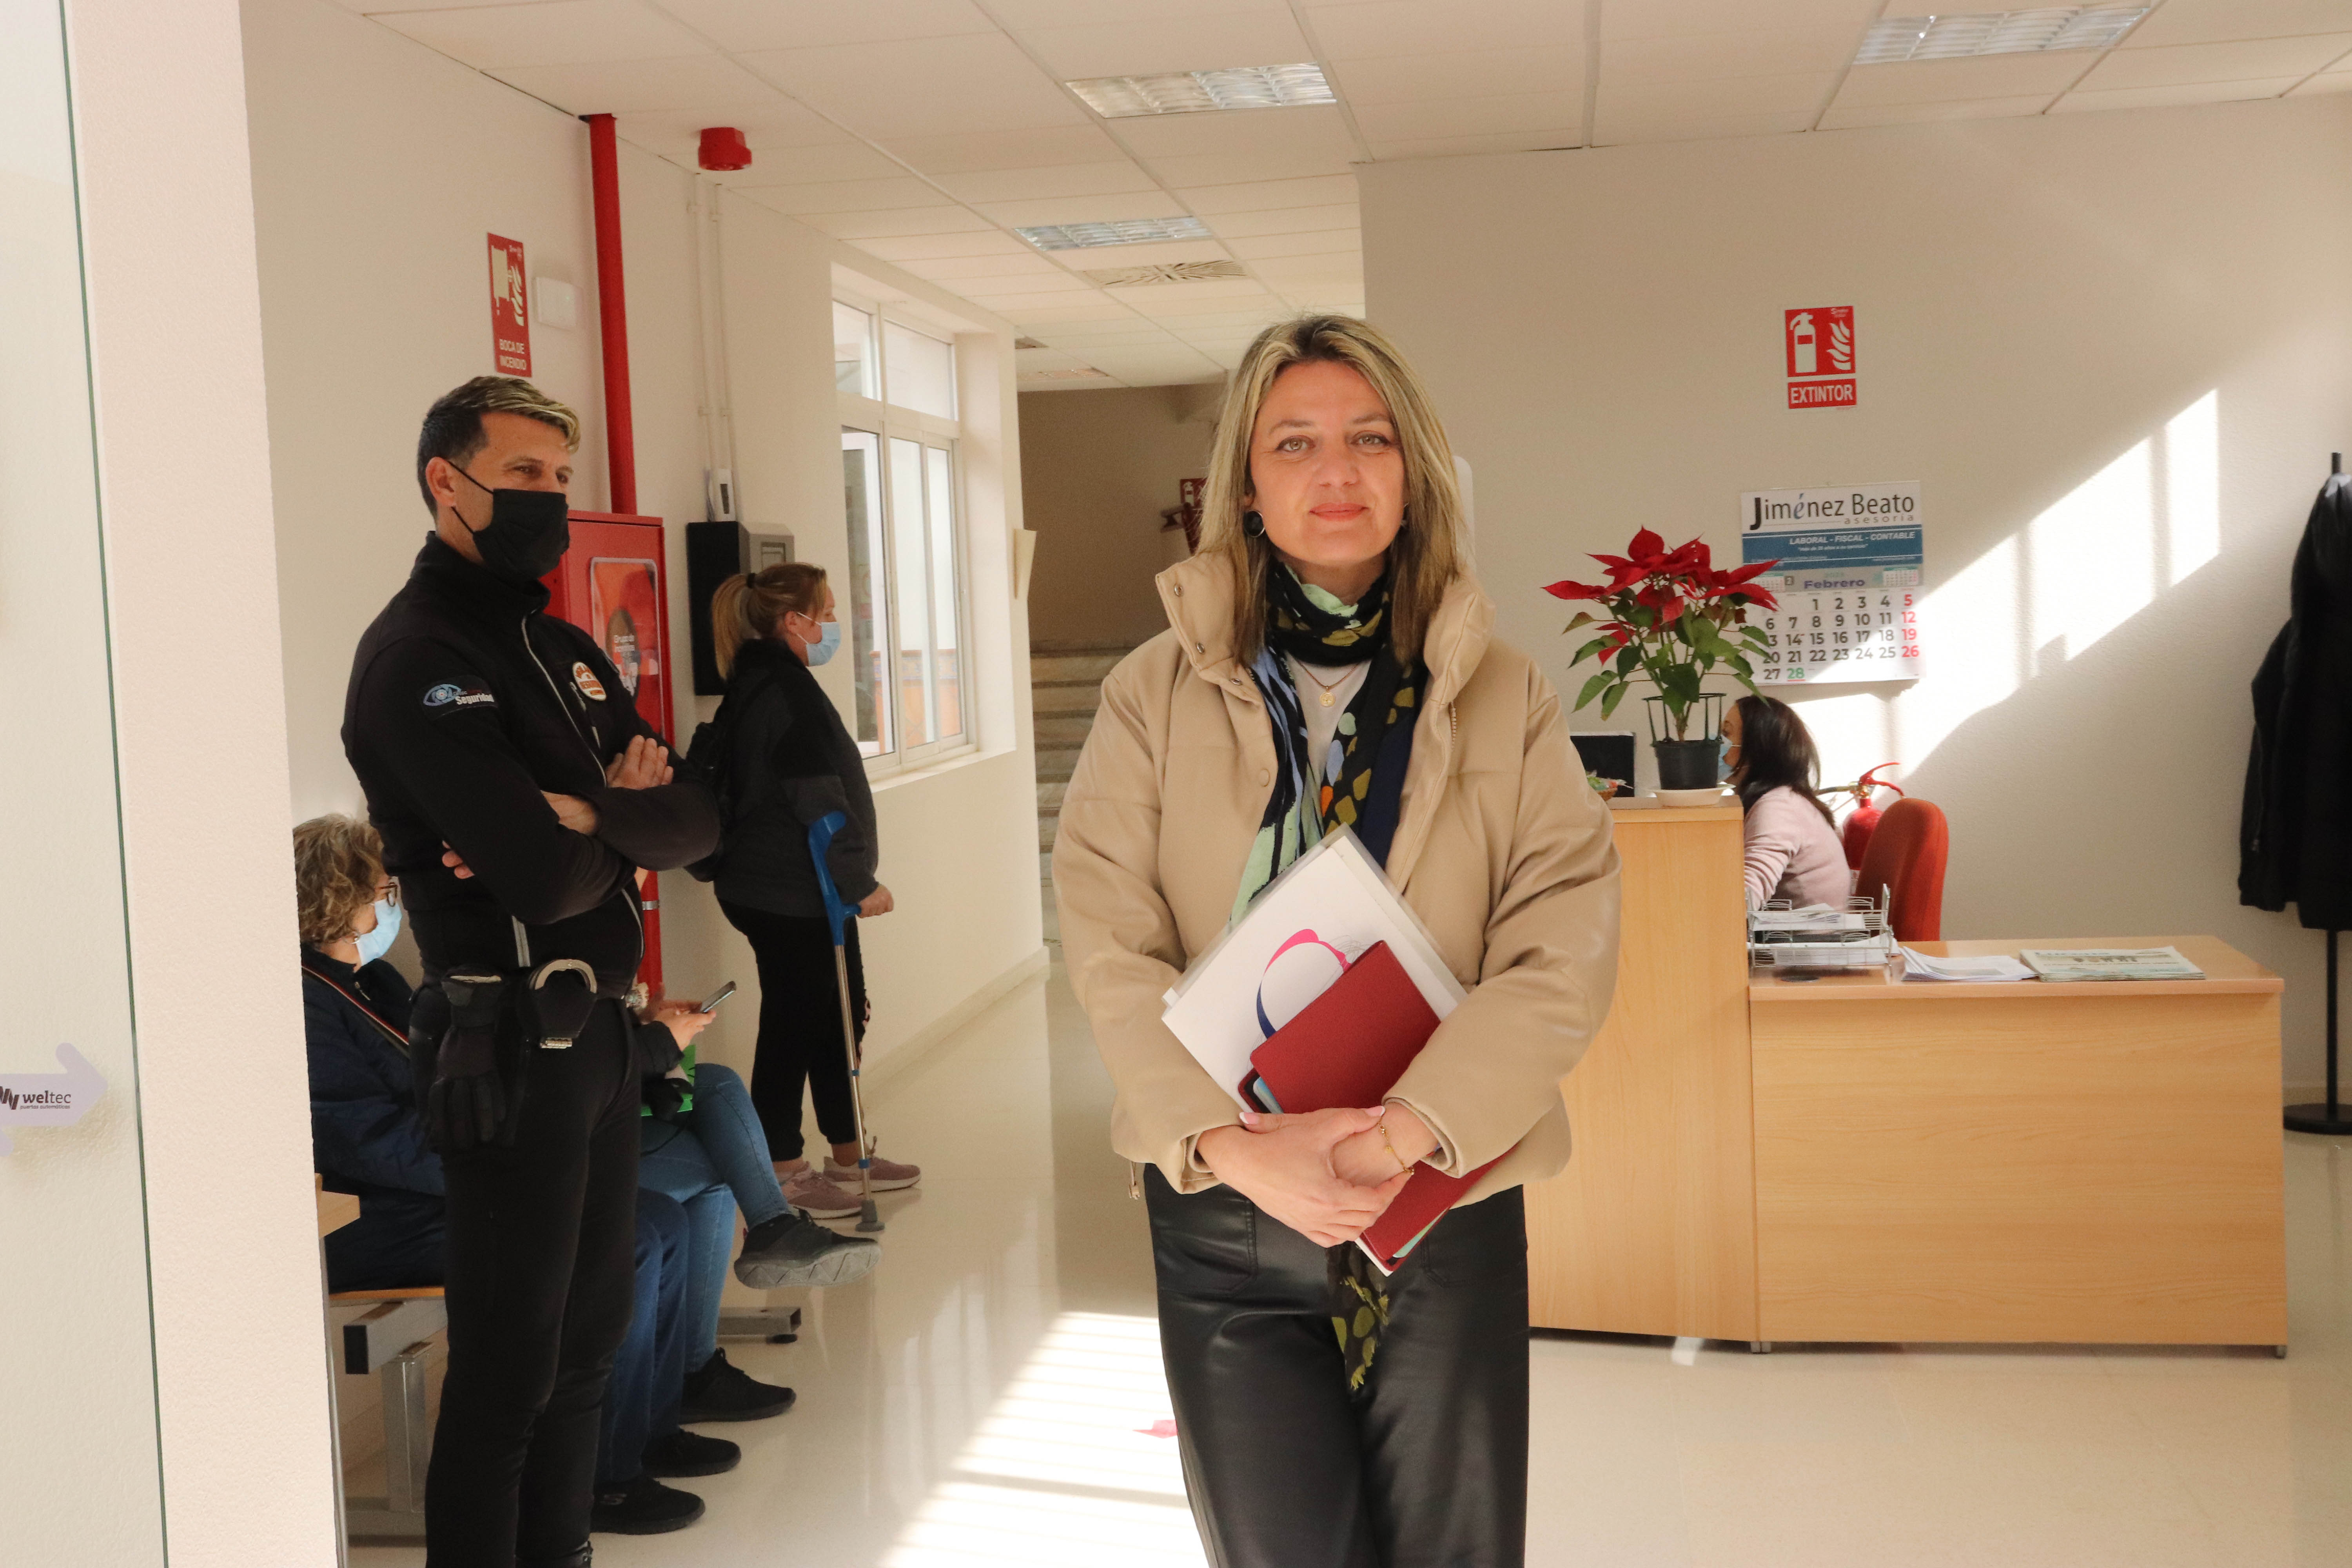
1819 342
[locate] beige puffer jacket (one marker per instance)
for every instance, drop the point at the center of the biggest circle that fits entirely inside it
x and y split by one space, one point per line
1501 849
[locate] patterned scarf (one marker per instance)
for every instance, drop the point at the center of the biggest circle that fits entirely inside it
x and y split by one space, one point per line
1359 785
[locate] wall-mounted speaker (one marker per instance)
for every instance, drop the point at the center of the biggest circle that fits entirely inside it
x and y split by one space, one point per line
714 553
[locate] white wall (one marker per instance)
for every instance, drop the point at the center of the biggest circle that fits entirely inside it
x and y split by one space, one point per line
233 1273
379 167
2109 345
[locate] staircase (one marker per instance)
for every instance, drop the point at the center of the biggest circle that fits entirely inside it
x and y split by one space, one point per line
1066 687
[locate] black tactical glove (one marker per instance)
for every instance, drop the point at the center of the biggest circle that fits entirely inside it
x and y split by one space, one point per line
666 1097
467 1102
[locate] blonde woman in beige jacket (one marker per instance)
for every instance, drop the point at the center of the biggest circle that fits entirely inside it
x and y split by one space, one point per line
1329 663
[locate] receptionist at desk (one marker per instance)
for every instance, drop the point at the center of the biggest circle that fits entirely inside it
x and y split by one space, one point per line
1792 841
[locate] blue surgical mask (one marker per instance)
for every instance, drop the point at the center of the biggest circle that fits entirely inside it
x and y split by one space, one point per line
827 644
1723 763
375 944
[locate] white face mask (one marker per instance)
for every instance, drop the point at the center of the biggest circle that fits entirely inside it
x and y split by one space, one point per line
374 944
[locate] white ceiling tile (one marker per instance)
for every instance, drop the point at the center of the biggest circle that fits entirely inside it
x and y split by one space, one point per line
1279 271
2181 64
1387 29
1728 99
1266 196
1223 319
1329 241
2220 21
1106 311
743 24
1553 139
1631 128
1023 16
843 160
1843 116
550 33
960 270
1311 127
1481 73
1028 184
1165 300
710 83
1472 116
1012 304
978 152
1155 253
2172 95
1709 56
1260 36
1112 208
892 225
1244 168
2325 82
846 195
1285 220
1694 19
1979 77
922 87
935 247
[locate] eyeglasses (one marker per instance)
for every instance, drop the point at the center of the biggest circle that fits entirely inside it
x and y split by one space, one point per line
388 892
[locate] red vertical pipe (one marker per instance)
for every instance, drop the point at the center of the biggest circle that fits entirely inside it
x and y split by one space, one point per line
613 308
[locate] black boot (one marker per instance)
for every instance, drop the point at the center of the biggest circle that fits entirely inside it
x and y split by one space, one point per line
722 1391
642 1506
793 1250
681 1453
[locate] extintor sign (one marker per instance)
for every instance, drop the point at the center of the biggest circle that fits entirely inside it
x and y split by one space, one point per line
509 316
1819 342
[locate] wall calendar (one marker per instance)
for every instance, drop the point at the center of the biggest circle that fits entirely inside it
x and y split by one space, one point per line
1848 582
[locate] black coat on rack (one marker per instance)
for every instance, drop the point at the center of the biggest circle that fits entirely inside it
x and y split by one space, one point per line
2295 835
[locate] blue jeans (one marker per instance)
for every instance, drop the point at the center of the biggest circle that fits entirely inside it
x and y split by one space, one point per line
713 1160
649 1374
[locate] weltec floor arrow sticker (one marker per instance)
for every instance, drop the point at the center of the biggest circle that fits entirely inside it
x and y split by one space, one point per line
48 1098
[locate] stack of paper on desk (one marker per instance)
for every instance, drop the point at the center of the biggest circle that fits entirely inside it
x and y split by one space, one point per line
2111 964
1318 997
1917 965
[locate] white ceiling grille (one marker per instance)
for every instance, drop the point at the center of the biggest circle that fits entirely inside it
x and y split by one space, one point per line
1192 92
1943 37
1121 231
1076 373
1172 272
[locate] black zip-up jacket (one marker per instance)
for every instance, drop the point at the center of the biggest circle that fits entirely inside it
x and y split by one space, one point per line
2295 831
465 701
793 762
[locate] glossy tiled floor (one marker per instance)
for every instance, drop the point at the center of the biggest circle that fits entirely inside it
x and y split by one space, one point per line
988 1398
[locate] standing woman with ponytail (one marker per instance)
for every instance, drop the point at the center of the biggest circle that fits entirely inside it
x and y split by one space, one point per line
790 763
1329 663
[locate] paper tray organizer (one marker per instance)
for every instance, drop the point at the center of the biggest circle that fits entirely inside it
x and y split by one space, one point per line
1865 943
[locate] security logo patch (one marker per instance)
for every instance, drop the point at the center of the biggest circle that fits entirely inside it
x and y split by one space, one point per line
450 696
585 680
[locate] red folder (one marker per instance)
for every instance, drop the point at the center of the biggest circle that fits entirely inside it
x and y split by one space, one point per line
1349 1047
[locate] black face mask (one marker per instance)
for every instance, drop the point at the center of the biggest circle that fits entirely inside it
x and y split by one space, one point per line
528 532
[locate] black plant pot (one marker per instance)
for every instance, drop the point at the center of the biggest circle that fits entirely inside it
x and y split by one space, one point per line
1688 765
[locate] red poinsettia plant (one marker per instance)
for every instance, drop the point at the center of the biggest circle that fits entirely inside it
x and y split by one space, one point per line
1673 618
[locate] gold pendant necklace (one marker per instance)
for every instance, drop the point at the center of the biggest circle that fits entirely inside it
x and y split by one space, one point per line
1328 691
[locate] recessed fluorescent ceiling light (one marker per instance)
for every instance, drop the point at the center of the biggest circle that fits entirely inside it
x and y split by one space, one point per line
1996 33
1190 92
1129 231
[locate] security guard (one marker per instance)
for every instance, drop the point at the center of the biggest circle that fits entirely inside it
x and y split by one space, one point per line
518 792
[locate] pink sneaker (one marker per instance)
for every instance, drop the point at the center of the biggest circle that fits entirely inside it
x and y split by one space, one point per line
819 1198
889 1175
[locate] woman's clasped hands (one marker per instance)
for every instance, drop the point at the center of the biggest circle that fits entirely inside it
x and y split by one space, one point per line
1327 1174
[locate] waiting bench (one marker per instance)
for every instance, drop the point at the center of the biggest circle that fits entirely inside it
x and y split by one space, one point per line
390 1340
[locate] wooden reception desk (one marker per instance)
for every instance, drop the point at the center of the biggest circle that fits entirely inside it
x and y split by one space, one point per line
1856 1160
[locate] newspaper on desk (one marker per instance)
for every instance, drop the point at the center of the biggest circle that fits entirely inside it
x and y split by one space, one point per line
2062 964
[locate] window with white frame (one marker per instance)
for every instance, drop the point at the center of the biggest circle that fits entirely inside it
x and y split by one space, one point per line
904 604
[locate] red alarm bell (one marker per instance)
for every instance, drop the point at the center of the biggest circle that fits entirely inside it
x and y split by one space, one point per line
724 149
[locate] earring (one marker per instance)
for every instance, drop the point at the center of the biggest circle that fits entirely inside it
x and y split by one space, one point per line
1253 525
1404 518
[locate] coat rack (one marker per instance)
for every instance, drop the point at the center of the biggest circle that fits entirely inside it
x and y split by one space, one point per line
2329 1115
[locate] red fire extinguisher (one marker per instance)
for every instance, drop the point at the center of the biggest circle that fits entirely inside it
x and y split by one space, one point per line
1862 821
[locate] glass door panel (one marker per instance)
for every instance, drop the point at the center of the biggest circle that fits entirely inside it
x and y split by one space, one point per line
946 654
909 541
862 603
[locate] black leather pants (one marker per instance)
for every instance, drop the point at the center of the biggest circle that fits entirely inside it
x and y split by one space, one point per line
1427 1467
